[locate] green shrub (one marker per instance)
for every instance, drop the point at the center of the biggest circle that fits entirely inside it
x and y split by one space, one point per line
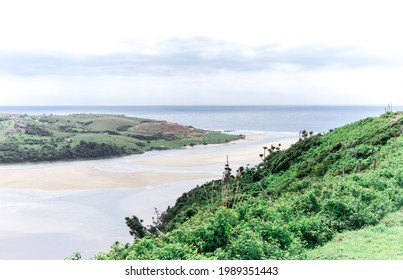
318 187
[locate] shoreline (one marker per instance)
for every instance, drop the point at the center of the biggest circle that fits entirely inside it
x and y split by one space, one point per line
150 169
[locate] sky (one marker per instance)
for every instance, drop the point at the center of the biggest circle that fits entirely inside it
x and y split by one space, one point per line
191 52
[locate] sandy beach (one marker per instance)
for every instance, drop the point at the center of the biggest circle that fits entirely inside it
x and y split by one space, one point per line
148 170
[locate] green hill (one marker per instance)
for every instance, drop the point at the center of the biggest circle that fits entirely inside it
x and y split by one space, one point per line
26 138
295 200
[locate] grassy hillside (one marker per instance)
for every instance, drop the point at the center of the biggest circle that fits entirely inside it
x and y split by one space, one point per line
295 200
380 242
26 138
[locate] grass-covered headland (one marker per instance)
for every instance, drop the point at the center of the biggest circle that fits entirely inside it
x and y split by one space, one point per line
295 200
25 138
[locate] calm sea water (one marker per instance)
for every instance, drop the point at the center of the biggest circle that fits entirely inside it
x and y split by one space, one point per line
252 118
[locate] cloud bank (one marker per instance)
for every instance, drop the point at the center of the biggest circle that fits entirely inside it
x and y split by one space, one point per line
200 70
195 55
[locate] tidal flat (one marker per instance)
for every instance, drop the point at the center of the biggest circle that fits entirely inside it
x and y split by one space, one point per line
50 210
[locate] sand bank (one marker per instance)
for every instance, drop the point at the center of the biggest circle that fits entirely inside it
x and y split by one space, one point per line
163 167
50 210
89 178
237 156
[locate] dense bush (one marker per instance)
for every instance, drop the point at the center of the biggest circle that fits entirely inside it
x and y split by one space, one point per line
37 130
294 200
11 152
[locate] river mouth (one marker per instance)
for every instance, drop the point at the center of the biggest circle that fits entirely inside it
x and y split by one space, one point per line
50 210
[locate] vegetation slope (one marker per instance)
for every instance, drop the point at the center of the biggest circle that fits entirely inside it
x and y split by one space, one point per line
383 241
296 199
26 138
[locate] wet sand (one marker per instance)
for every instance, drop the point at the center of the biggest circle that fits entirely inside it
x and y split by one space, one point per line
138 171
50 210
237 156
86 177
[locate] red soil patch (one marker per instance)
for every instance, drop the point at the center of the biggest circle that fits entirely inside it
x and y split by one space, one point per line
161 127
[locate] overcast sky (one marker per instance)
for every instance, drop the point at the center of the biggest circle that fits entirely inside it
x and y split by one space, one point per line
217 52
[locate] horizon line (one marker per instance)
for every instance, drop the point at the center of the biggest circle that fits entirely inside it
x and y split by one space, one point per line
212 105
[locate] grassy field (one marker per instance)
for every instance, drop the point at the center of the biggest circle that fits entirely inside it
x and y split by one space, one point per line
26 138
381 242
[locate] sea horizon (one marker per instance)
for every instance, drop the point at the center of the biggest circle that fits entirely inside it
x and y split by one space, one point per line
264 118
205 106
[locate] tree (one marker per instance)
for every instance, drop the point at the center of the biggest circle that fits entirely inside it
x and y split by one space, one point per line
136 227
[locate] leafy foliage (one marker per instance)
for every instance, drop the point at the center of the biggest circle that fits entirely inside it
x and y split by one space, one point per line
136 227
380 242
37 130
296 199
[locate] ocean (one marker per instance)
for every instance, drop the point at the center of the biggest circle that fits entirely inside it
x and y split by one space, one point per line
40 224
241 118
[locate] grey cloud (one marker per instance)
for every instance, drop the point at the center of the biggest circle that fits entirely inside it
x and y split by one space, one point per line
196 55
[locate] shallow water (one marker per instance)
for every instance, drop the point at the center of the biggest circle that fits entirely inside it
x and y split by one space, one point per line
38 224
